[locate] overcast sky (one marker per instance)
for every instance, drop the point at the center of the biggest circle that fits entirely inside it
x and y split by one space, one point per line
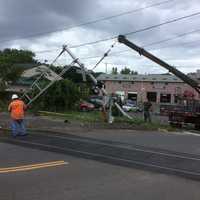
20 19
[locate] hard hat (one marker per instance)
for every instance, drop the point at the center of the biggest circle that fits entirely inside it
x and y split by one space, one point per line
15 96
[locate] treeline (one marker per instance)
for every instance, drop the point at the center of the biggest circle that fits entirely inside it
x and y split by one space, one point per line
63 95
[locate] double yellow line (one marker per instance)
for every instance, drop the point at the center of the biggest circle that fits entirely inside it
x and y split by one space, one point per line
32 167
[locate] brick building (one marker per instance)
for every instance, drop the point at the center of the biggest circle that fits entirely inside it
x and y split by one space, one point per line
161 89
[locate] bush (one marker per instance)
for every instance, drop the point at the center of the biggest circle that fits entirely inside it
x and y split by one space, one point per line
62 96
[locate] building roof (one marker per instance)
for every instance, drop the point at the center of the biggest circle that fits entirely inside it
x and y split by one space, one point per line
26 65
37 71
16 88
140 78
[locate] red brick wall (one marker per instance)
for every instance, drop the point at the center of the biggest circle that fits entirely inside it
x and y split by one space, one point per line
143 87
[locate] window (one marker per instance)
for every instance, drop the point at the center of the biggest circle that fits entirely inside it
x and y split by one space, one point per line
152 96
165 98
178 90
176 98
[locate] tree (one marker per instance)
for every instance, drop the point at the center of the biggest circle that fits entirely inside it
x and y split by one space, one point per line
62 96
14 56
114 70
9 71
134 72
126 70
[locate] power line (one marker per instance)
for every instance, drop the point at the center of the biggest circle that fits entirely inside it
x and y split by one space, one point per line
124 51
162 24
92 21
173 38
139 30
136 31
148 45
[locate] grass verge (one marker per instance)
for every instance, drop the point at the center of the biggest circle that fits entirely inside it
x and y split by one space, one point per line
96 118
87 117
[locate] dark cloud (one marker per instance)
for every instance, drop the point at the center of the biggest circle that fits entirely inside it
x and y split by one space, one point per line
23 18
29 17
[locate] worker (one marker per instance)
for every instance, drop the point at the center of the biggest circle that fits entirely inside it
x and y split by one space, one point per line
104 107
16 109
147 108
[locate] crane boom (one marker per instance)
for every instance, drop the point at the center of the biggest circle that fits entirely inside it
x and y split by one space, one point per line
173 70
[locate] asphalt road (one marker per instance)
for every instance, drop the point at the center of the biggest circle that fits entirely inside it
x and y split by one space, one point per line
84 179
187 142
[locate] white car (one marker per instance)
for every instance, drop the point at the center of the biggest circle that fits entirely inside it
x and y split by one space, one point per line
129 106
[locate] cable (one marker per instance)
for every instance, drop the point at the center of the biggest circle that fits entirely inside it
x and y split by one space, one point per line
139 30
134 32
123 51
162 24
46 51
92 21
63 50
173 38
105 55
148 45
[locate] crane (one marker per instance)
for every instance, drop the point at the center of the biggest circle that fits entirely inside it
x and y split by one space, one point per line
178 117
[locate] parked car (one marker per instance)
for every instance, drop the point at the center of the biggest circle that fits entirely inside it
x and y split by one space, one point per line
97 101
130 105
86 106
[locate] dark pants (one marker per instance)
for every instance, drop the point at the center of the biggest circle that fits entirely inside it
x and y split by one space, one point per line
147 116
18 127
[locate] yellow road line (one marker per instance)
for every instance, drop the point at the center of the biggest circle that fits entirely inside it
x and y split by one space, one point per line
32 167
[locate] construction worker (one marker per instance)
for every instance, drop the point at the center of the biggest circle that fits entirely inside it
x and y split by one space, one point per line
16 109
147 108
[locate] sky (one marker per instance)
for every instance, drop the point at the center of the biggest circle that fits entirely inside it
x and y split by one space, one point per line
45 26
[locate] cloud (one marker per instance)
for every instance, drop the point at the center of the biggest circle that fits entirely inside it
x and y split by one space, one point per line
19 19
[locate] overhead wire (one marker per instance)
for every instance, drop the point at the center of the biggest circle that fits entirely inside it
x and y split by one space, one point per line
90 22
136 31
150 44
163 23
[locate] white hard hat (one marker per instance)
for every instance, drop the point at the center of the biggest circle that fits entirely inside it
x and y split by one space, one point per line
15 96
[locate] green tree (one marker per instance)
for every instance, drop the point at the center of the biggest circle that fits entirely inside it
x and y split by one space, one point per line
127 70
134 72
9 58
14 56
62 96
114 70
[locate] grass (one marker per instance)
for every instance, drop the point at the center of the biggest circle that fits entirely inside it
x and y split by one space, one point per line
3 106
89 117
95 117
138 122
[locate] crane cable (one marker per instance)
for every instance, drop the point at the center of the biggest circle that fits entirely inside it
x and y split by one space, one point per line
104 55
63 50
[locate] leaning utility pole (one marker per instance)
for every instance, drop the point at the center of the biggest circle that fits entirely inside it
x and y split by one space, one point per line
40 86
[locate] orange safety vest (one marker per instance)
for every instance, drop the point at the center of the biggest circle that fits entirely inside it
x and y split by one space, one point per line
17 108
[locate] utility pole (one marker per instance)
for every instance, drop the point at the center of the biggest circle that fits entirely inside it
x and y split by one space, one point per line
106 69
